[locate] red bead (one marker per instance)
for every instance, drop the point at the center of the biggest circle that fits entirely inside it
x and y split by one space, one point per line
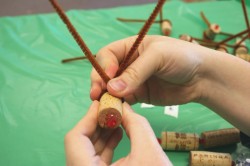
217 27
111 120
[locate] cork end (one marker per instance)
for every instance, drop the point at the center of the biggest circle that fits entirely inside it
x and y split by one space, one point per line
215 28
110 118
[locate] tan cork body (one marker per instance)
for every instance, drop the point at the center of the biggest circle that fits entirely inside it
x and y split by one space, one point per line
179 141
110 111
203 158
221 137
166 27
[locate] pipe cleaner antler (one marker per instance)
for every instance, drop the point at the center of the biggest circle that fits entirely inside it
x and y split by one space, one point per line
110 108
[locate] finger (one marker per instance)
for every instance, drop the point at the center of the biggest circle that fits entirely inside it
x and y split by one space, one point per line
96 135
102 140
109 64
135 74
139 131
112 143
88 124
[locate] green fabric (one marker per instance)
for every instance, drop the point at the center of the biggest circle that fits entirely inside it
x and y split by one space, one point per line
41 99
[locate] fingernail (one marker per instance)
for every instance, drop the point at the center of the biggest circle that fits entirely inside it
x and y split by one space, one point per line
117 85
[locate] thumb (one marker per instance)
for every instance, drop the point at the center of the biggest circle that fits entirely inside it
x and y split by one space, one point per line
134 75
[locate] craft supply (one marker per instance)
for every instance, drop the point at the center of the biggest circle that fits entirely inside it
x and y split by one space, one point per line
179 141
110 111
73 59
234 36
222 48
80 41
130 58
241 50
245 15
240 47
109 116
191 141
220 137
188 38
166 27
211 32
204 158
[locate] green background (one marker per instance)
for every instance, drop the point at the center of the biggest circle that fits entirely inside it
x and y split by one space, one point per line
41 99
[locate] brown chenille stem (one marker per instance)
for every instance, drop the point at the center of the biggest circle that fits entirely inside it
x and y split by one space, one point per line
245 14
161 16
226 34
73 59
242 40
204 18
80 42
211 43
140 37
138 20
234 36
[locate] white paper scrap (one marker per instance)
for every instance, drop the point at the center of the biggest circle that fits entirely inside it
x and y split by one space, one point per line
172 110
144 105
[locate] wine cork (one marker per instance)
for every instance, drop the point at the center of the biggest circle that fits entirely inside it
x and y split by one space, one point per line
221 137
240 48
188 38
211 32
203 158
179 141
222 48
110 111
166 27
245 57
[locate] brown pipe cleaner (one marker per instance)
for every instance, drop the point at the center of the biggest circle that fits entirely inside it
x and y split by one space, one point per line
80 42
140 37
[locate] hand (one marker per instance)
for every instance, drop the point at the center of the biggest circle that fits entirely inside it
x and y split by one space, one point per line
145 149
165 72
87 144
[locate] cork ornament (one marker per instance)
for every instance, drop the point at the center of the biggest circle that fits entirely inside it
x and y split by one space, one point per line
110 108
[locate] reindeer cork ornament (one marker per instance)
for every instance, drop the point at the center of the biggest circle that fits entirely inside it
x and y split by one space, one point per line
110 108
211 32
110 111
222 48
188 38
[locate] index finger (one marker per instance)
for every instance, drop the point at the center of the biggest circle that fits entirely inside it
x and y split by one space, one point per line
108 58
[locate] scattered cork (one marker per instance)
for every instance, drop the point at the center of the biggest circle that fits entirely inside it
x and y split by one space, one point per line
203 158
179 141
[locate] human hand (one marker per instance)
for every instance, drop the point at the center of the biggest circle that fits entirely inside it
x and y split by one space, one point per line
87 144
145 149
165 72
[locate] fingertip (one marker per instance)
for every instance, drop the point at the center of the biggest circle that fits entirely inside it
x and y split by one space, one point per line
95 92
126 111
117 87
